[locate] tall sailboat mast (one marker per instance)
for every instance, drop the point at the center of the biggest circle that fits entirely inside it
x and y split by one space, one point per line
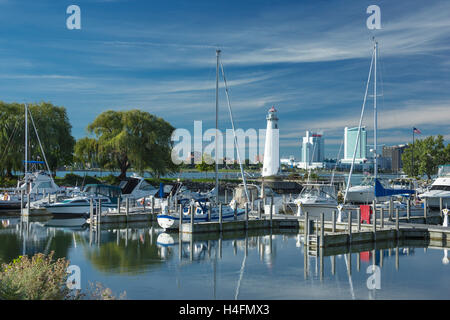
375 123
26 138
217 126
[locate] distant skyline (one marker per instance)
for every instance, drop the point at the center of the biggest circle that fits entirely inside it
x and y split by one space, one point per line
308 58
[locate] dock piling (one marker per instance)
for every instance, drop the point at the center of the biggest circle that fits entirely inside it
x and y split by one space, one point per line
246 215
153 205
118 205
322 231
333 221
441 205
306 228
350 225
390 209
91 211
21 202
127 206
271 211
220 216
397 228
99 213
358 213
408 209
382 218
425 209
180 228
192 217
259 209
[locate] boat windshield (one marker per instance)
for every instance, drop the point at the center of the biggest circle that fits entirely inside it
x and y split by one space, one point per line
322 191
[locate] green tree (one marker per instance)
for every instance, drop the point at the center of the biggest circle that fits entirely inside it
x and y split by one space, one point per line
129 138
54 130
428 154
206 165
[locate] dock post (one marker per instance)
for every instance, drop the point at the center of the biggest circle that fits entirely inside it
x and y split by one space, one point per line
322 231
21 202
143 206
192 218
153 205
127 207
226 195
284 203
441 205
350 226
118 205
358 213
397 228
306 228
408 209
425 209
374 212
259 209
180 227
382 217
252 202
390 209
235 211
271 211
246 216
209 211
220 216
28 203
91 212
333 221
99 213
374 222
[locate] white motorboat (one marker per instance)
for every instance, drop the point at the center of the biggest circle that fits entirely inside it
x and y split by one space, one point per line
439 189
315 199
79 206
40 184
201 214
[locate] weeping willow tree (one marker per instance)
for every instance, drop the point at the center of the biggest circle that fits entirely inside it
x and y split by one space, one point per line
54 130
125 139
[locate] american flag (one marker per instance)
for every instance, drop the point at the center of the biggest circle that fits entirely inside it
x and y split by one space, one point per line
415 130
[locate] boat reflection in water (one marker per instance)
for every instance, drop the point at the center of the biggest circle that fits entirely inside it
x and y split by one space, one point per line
147 263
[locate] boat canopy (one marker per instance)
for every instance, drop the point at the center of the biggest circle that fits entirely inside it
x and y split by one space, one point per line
380 191
103 189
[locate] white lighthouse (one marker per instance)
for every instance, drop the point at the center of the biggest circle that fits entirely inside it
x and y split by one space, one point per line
271 163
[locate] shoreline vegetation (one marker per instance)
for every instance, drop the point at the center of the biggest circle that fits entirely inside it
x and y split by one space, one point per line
41 277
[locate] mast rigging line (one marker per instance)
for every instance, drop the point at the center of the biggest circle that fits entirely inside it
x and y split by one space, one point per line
40 145
359 127
234 133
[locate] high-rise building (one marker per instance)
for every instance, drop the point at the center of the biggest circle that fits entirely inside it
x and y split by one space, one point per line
394 153
312 148
350 139
271 164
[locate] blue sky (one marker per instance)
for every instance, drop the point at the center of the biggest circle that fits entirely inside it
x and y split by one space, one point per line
308 58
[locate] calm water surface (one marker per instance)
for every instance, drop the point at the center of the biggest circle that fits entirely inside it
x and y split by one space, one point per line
150 264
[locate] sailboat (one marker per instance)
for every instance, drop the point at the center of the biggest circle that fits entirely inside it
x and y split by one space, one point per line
37 184
206 208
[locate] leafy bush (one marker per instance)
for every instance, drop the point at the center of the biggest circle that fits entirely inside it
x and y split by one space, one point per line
43 278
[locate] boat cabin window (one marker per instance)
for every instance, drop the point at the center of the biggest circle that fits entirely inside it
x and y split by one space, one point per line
45 185
443 188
